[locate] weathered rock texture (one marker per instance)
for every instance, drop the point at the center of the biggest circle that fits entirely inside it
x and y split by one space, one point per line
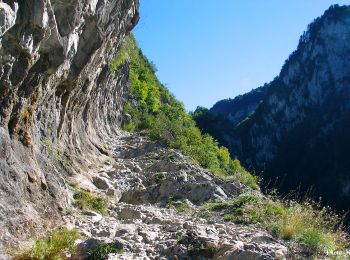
140 181
59 102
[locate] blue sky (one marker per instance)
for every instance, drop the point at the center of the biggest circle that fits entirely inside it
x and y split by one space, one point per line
207 50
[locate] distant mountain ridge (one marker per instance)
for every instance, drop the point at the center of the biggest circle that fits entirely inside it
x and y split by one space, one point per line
237 109
221 119
298 137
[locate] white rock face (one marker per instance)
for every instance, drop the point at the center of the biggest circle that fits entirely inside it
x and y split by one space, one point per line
7 17
54 69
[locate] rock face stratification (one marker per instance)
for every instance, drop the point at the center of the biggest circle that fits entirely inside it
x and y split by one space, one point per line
59 102
299 133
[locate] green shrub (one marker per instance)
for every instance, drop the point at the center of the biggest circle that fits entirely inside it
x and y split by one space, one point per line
101 251
160 177
87 200
56 247
317 227
180 205
236 172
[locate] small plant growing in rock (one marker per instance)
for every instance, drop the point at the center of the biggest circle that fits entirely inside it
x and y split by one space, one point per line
120 59
205 213
171 155
73 184
138 189
87 200
68 212
160 177
56 154
57 246
180 205
26 115
101 251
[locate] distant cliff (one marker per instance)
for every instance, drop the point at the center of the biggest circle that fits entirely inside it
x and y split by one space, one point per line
298 137
222 118
237 109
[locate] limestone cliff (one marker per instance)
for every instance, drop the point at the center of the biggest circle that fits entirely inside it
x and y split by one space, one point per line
59 102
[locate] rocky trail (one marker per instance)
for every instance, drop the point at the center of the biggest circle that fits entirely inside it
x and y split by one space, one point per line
139 182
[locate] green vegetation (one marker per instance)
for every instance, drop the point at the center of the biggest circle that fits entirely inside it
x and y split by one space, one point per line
87 200
160 177
71 183
26 115
159 115
101 251
56 154
56 247
121 58
318 228
68 212
238 173
180 205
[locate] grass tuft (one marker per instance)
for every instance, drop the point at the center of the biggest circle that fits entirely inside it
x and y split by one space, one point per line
56 247
180 205
72 183
318 228
160 177
87 200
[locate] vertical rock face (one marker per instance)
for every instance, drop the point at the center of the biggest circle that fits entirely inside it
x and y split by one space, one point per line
7 17
299 134
57 98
